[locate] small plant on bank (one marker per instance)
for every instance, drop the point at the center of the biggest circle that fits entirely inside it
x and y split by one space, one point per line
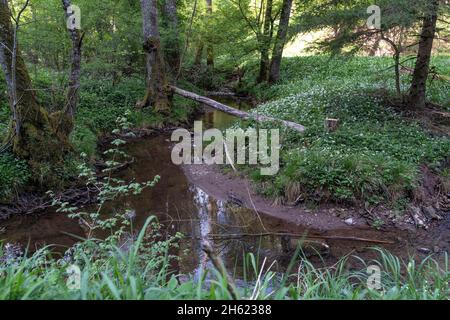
14 175
108 188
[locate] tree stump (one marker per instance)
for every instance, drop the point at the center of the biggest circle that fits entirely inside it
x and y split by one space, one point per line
331 125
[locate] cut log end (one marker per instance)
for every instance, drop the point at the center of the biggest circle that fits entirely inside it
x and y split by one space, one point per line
331 125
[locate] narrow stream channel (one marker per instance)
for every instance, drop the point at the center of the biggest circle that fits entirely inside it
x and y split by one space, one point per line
179 205
184 207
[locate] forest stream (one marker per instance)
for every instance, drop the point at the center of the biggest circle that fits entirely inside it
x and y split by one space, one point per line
183 206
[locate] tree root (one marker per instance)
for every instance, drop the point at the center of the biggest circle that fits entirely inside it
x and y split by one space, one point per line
29 204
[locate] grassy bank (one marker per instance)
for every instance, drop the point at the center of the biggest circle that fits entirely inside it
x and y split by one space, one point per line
142 272
375 155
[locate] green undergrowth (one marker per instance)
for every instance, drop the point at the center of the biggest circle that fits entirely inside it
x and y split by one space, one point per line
300 74
101 103
14 175
142 272
374 156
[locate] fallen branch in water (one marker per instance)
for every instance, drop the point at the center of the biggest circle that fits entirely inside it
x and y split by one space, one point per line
220 266
293 235
28 204
234 112
105 170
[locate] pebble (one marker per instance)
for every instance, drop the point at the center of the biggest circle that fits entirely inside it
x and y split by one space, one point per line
424 250
431 213
350 222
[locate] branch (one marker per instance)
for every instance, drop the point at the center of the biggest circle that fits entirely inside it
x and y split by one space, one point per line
305 237
220 266
247 20
16 20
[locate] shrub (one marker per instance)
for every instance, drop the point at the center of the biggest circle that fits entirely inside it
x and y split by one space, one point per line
14 175
84 141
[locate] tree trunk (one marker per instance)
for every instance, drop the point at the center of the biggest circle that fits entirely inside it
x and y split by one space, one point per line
210 56
419 81
265 43
36 139
157 94
280 41
75 73
397 73
209 47
374 47
199 55
172 48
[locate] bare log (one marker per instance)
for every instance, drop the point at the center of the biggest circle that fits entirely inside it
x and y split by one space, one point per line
234 112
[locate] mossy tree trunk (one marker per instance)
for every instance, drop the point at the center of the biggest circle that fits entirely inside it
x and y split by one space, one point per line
158 93
36 136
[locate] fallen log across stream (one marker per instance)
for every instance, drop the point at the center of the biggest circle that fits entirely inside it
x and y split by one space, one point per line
234 112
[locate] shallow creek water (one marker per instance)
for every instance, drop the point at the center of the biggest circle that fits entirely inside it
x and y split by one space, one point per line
184 207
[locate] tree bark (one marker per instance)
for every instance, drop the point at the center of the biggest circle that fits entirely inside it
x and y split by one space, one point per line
374 47
75 71
209 47
37 139
157 94
396 57
173 50
417 91
199 55
5 51
265 43
280 41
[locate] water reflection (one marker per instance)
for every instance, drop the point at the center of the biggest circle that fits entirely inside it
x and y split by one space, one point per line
220 120
201 199
222 224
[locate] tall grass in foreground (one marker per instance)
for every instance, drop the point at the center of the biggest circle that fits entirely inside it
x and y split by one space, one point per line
141 272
